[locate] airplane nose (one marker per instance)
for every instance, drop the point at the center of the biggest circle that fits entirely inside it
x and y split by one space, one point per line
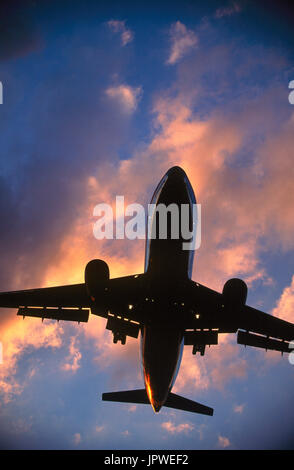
176 172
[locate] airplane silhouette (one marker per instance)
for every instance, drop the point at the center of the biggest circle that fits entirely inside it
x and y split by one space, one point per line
164 304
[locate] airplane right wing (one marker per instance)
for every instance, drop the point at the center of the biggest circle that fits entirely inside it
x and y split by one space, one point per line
265 331
213 313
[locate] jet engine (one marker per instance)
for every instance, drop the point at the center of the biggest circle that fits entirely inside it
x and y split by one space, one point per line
235 292
96 277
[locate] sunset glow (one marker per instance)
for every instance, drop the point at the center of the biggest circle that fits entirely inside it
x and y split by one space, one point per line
99 101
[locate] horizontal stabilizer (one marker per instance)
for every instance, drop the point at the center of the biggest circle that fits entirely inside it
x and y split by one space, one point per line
173 401
129 396
181 403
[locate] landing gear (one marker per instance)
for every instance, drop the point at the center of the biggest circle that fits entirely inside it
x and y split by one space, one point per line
117 336
121 328
198 348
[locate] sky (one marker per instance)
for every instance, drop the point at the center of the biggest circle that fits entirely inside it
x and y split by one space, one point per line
101 99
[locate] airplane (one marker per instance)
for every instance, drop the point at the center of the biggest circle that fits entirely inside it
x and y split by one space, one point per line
164 304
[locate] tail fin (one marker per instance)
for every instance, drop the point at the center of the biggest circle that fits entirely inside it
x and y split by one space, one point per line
173 401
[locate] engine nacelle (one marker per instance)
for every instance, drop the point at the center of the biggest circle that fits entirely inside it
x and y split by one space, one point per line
96 277
235 292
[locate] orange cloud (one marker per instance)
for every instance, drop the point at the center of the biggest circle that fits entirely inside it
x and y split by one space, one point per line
285 305
177 429
16 338
223 442
193 374
239 408
77 438
126 96
120 27
73 360
182 41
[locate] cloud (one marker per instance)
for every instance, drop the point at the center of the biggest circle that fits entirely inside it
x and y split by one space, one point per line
221 364
132 408
285 305
223 442
239 408
182 41
21 426
126 35
126 96
77 438
99 429
230 10
73 360
177 429
193 374
18 337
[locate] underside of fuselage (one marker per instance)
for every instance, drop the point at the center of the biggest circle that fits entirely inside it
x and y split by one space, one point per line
161 352
167 264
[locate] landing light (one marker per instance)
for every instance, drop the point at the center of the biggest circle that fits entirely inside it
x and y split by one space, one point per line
197 316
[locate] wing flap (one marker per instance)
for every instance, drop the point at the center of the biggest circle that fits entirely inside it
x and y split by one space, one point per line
67 314
250 339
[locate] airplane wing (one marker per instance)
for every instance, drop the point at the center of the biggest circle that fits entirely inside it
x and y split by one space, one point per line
212 314
69 303
117 300
272 332
62 296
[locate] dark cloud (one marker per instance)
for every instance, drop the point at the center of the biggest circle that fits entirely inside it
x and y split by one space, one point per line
58 127
18 32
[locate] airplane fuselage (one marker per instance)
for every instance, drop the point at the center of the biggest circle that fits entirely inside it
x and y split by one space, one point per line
168 265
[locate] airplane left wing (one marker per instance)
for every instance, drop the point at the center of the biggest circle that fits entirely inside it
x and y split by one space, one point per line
116 299
69 303
62 296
